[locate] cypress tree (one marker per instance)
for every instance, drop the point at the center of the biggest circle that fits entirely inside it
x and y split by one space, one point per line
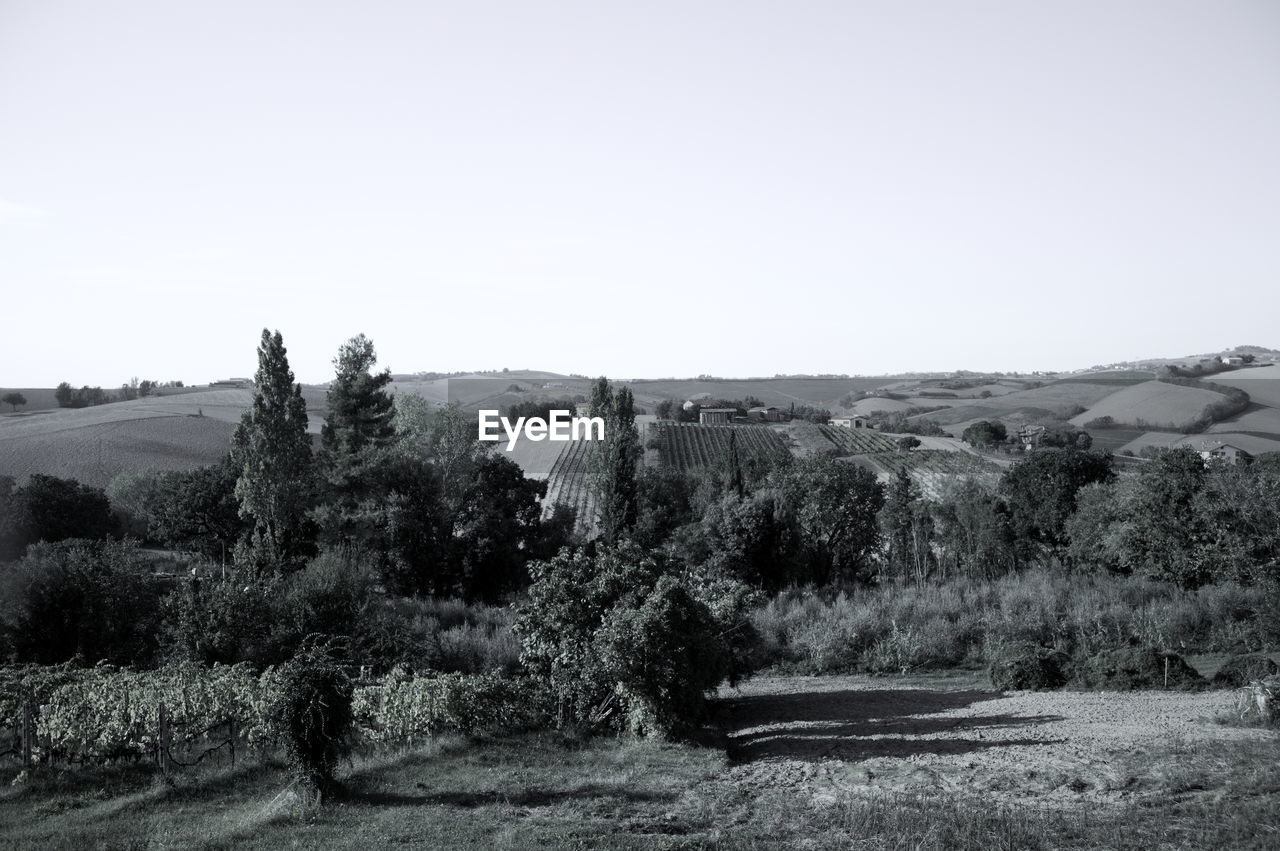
272 453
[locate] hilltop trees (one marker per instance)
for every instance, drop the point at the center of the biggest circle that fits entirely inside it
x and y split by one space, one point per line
272 453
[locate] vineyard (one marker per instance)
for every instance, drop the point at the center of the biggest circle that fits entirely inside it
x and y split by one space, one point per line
567 484
691 446
858 441
186 712
932 469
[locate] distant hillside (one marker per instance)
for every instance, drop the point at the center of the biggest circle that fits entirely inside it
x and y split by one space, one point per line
193 426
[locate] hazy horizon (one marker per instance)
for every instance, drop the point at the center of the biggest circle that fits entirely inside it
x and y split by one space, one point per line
737 189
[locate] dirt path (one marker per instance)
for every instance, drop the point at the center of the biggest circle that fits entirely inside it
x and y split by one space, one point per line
834 734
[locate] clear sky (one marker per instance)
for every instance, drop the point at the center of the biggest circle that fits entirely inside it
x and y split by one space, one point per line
634 188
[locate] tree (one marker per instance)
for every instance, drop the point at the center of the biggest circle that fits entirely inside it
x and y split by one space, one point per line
495 528
360 409
85 600
974 535
753 539
14 399
896 523
52 509
197 509
614 461
65 395
272 454
985 433
622 642
385 502
1041 492
835 505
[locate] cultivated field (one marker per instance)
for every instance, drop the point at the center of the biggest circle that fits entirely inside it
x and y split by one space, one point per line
690 446
858 441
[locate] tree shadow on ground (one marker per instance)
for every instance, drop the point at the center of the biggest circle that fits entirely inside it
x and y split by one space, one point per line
861 724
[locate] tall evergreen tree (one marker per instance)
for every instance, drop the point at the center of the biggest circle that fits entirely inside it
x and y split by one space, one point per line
360 409
614 461
272 453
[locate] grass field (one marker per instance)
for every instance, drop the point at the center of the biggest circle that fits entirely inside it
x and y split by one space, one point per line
1113 439
1155 403
1261 383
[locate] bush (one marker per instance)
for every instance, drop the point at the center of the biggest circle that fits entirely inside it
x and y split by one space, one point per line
621 641
1239 671
666 655
1031 670
312 714
1135 668
403 708
83 600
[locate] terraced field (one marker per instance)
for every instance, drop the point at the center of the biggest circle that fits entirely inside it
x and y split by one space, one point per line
691 446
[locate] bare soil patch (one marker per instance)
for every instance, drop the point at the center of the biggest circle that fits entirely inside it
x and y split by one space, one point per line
835 735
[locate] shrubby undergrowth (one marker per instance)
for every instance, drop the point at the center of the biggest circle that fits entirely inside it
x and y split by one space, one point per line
971 622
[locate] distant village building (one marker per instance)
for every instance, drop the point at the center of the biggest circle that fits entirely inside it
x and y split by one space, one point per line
1233 360
767 413
716 416
849 422
1223 452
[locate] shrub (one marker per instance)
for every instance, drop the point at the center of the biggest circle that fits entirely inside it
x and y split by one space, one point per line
666 655
84 600
621 641
312 714
1135 668
404 707
1241 670
1033 669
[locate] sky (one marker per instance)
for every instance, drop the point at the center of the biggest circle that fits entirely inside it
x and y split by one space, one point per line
736 188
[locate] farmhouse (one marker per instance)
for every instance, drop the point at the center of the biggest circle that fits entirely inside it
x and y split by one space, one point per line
1233 360
1223 452
849 422
767 413
714 416
1031 436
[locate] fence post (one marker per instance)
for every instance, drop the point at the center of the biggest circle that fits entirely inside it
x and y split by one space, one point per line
162 741
27 734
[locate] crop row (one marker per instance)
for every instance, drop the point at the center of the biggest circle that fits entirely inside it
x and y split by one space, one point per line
858 441
689 446
568 484
104 713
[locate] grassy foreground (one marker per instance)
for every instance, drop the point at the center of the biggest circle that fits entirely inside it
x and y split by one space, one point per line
552 792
